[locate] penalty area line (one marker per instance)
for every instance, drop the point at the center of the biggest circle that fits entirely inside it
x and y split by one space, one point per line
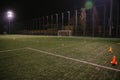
73 59
13 49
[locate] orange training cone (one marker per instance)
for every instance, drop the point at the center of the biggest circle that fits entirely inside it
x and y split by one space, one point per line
110 50
114 61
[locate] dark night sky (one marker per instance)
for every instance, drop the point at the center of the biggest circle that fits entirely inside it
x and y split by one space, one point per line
28 9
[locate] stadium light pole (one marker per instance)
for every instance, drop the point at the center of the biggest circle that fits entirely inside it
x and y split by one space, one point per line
10 16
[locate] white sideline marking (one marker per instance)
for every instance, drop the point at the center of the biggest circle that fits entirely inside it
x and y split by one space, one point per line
105 67
12 50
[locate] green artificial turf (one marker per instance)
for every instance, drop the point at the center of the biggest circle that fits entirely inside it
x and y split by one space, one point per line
26 64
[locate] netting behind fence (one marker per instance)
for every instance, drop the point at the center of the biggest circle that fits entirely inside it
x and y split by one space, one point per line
97 21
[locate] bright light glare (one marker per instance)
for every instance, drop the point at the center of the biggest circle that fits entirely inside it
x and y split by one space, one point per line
88 5
10 14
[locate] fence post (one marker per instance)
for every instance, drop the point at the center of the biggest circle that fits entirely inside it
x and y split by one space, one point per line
47 21
43 23
68 19
57 21
104 19
52 28
93 31
117 27
110 24
83 18
76 22
62 20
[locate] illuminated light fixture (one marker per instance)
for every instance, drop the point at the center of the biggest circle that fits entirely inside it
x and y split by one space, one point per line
10 15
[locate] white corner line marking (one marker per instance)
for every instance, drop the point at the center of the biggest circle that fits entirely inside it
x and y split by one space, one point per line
13 49
73 59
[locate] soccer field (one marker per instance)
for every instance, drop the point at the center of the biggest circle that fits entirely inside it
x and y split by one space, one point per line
26 57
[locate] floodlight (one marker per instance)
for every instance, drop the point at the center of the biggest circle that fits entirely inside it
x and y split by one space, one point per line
10 15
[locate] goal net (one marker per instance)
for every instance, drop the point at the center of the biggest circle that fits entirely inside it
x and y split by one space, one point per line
64 33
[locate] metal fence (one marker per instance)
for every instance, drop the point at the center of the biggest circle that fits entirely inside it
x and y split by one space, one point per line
102 20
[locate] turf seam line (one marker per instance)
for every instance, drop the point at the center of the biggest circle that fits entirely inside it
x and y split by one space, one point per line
73 59
13 49
106 48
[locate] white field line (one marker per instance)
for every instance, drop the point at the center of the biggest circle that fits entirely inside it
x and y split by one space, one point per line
13 49
77 60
